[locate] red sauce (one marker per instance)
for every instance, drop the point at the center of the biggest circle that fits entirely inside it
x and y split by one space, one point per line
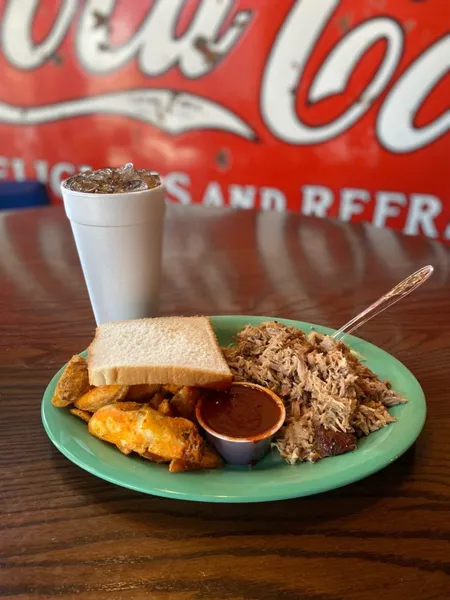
240 412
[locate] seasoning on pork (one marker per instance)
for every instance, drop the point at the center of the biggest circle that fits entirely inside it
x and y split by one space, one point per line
331 398
331 443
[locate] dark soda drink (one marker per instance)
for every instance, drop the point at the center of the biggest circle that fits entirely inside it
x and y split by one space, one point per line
113 180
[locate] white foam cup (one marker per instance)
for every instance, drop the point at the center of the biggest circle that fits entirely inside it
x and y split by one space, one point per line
119 241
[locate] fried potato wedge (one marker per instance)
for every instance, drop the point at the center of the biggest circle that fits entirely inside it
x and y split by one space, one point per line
170 389
154 458
143 392
145 430
73 383
165 408
210 460
157 400
124 406
100 396
184 402
84 415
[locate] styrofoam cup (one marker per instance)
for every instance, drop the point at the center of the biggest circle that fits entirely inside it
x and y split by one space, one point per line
119 241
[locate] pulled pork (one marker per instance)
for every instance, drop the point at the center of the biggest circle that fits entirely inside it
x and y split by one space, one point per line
331 398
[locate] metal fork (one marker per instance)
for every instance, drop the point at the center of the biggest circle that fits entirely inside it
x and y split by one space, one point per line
397 293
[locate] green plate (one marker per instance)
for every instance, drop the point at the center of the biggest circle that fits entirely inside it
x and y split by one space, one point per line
271 479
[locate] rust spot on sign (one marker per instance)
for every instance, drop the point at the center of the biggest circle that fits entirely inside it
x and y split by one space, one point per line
223 159
56 59
203 46
100 20
344 23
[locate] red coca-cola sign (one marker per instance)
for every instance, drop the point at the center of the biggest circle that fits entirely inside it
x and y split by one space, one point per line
324 107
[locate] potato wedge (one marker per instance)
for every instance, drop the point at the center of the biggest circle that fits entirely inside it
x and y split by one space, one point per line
84 415
157 399
209 460
170 388
143 392
165 409
73 383
124 406
184 402
146 431
97 397
154 458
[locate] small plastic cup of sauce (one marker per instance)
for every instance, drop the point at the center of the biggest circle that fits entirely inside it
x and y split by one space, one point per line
241 421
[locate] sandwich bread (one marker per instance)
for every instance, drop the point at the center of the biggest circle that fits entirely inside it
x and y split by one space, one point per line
182 351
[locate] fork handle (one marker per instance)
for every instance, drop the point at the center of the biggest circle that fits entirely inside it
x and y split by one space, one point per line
397 293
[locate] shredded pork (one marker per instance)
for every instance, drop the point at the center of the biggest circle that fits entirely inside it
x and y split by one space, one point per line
331 398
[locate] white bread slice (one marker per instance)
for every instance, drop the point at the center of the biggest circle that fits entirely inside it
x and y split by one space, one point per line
175 350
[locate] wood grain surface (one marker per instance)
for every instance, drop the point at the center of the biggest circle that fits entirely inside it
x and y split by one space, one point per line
66 535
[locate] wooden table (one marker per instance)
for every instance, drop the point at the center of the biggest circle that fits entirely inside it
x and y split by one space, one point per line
65 534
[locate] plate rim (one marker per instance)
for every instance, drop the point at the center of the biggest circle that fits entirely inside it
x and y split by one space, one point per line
294 491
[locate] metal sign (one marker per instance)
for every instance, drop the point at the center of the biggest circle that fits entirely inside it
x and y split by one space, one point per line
324 107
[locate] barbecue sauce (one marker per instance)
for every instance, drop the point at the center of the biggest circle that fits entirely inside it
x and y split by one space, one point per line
240 412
